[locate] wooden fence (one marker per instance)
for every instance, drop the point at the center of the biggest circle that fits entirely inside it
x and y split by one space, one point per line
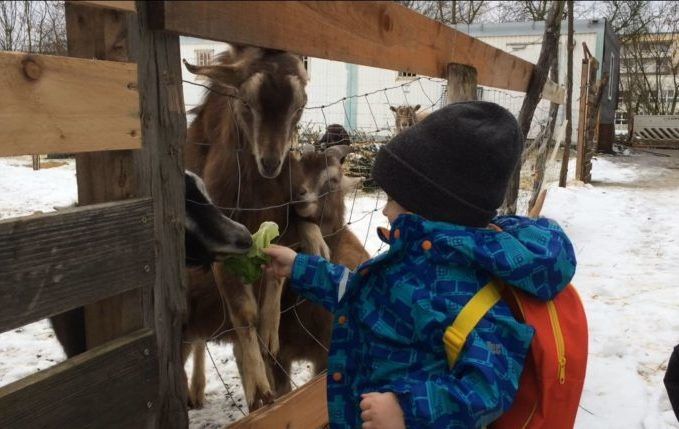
117 102
591 91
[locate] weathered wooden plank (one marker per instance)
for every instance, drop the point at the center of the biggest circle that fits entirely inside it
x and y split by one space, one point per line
377 34
112 386
59 261
160 170
105 176
303 408
59 104
461 83
126 6
554 92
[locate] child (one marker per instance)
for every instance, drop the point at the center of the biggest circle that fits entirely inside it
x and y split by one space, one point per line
445 177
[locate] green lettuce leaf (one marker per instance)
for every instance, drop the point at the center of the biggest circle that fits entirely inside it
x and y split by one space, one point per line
248 266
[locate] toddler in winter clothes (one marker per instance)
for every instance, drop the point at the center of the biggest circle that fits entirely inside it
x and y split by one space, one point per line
387 368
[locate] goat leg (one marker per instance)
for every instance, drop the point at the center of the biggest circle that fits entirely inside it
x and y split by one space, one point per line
312 241
242 307
197 390
270 315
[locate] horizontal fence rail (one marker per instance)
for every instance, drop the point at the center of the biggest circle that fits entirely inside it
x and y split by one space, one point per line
111 386
377 34
58 104
59 261
305 407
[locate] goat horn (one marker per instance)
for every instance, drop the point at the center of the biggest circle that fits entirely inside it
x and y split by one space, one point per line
223 74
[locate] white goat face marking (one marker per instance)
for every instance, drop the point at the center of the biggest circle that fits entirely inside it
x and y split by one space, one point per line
199 184
270 108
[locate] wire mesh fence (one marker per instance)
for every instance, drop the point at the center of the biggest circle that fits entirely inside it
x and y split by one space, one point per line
366 121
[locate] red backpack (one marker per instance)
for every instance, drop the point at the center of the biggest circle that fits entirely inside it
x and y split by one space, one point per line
554 372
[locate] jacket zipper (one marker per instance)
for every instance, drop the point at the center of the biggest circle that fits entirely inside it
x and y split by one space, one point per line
558 336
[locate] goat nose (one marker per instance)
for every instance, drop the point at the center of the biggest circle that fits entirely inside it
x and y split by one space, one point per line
270 164
244 242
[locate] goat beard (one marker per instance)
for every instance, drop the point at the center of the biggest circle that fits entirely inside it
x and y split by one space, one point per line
307 209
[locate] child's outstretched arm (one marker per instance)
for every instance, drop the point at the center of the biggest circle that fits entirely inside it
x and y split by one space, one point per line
313 277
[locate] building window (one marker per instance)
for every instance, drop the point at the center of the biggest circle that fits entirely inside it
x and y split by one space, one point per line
405 75
204 56
611 77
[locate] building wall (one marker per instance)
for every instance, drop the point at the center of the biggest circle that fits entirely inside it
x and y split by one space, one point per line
368 91
528 48
193 94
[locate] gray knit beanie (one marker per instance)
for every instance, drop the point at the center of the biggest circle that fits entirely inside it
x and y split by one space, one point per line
455 165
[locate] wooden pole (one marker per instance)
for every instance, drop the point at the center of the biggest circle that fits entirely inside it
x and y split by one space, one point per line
103 176
461 83
550 42
569 101
160 171
546 143
36 162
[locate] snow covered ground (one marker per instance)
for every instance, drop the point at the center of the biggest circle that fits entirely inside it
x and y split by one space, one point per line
625 231
627 244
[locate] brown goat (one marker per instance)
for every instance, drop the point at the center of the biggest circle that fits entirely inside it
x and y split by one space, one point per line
407 116
245 127
319 183
320 187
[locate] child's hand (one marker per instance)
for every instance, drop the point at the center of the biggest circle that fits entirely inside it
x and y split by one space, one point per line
282 259
381 411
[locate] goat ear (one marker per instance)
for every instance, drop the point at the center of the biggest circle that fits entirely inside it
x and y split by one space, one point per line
416 108
348 184
393 109
221 74
339 151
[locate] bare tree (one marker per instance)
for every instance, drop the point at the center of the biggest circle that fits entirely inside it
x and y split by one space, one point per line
649 80
525 10
451 12
550 45
33 26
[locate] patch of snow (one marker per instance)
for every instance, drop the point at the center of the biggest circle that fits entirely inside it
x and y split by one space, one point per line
626 237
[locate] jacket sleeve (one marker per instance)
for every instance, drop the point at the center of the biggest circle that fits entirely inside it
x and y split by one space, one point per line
536 243
471 395
319 281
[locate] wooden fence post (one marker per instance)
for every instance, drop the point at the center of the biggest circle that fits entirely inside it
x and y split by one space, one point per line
104 176
461 83
160 171
36 162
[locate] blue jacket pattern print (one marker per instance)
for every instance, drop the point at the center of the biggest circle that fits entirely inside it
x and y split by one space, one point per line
391 313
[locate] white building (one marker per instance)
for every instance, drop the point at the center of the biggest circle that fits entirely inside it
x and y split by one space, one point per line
524 40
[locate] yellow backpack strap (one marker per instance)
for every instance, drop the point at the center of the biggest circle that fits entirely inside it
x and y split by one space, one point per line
471 314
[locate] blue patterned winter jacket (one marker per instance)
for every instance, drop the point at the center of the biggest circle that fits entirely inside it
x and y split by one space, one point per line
391 313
